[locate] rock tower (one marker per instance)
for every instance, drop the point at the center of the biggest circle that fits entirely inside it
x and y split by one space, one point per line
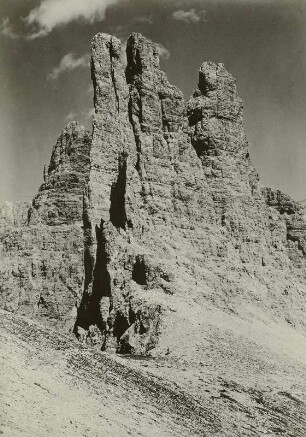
143 225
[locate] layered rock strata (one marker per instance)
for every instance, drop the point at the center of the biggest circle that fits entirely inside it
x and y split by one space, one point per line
174 210
157 217
41 245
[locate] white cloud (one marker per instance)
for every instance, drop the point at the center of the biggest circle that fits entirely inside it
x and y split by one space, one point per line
123 29
7 30
145 20
52 13
85 114
191 16
162 51
68 63
71 116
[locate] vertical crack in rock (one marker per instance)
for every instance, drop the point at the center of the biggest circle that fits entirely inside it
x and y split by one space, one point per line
117 211
165 121
94 82
171 212
134 111
96 303
83 318
101 282
87 233
112 53
134 61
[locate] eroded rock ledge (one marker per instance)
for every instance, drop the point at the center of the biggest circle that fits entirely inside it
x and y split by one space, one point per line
137 228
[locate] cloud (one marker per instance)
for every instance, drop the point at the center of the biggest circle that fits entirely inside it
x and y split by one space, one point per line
191 16
71 116
145 20
68 63
85 115
162 51
125 28
52 13
7 30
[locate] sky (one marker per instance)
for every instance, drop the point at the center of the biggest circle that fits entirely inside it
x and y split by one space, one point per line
45 76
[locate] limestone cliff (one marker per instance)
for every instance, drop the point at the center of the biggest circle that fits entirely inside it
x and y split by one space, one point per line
175 215
156 218
41 245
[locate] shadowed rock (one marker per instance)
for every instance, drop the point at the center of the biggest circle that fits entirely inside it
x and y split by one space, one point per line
41 246
154 217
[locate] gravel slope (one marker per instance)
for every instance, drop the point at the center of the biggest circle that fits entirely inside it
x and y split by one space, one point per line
52 386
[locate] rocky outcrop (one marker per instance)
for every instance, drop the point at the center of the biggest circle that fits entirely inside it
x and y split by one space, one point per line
13 214
41 246
60 197
181 215
293 215
156 217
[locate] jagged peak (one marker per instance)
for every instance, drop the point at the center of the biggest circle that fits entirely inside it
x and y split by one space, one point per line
213 77
109 41
159 226
74 126
216 93
100 36
72 132
142 54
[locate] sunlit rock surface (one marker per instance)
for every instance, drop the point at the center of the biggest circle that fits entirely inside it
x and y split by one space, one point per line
41 269
155 214
152 237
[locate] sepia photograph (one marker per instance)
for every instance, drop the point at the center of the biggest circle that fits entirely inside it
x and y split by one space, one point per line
153 218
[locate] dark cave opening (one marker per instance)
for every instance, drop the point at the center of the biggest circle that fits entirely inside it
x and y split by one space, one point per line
139 274
121 324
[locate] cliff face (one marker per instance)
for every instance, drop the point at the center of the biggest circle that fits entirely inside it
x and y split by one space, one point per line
41 246
60 197
156 219
175 216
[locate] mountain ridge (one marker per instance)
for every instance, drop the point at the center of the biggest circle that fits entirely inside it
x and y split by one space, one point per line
152 242
160 193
